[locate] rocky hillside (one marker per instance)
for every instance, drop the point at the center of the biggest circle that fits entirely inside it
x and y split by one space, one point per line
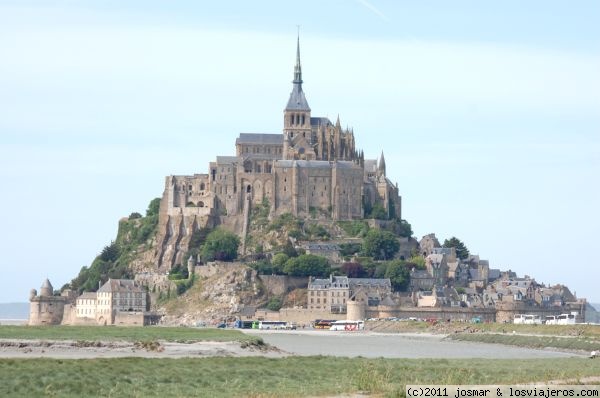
214 297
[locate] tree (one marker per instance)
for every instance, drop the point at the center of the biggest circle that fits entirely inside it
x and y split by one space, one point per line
199 237
278 262
461 250
353 270
379 212
418 261
307 265
404 229
110 253
220 245
289 249
381 245
398 273
153 207
135 215
274 304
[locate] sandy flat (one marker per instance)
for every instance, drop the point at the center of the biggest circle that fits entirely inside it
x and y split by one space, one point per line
67 349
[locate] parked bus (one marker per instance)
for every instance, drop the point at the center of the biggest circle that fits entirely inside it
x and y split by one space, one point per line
275 325
519 319
550 320
532 319
323 323
565 319
347 325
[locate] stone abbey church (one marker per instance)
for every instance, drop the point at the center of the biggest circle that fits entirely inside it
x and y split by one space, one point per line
312 168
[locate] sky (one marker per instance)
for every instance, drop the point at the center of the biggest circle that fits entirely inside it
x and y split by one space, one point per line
488 114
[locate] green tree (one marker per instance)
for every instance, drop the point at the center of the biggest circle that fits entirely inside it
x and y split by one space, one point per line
353 270
419 261
220 245
381 245
153 207
404 229
398 273
110 252
274 304
307 265
135 215
461 250
379 213
278 262
289 249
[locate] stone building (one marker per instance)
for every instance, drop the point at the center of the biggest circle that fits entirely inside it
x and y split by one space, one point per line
117 302
313 167
333 293
46 308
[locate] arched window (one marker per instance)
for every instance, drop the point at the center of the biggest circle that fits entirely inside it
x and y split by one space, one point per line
202 186
201 204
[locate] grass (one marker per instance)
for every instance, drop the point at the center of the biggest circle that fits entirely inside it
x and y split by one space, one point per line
264 377
564 343
591 331
113 333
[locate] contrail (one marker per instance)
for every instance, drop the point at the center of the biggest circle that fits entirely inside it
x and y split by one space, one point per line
374 9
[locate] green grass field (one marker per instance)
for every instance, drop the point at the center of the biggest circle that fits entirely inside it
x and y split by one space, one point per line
591 331
113 333
582 343
264 377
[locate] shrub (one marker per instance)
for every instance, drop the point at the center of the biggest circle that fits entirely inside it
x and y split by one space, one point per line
220 245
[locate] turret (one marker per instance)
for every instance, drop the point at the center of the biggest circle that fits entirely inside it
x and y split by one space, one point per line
46 289
381 167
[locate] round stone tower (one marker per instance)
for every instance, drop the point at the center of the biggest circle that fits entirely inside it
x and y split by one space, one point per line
355 310
45 309
46 290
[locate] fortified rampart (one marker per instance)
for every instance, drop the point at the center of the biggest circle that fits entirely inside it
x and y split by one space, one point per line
505 312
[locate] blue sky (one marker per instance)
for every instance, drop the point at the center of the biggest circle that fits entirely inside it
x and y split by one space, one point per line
489 116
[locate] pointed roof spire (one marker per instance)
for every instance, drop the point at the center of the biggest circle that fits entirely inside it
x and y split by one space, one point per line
337 123
297 101
382 164
298 67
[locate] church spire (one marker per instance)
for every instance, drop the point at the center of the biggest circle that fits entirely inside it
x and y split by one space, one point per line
297 101
382 165
298 67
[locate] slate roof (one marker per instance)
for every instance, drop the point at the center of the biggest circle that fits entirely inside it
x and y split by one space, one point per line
297 101
371 165
344 281
260 139
227 159
316 164
120 285
88 296
320 121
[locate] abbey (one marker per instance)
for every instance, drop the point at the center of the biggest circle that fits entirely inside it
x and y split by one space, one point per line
313 167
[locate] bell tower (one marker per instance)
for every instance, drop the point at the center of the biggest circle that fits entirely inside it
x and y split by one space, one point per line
296 115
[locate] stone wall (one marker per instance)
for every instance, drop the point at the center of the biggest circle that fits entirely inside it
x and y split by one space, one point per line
217 267
465 314
506 311
305 316
279 285
129 319
46 310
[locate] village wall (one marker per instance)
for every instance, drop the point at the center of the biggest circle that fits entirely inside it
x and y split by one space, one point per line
455 314
214 268
133 318
305 316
